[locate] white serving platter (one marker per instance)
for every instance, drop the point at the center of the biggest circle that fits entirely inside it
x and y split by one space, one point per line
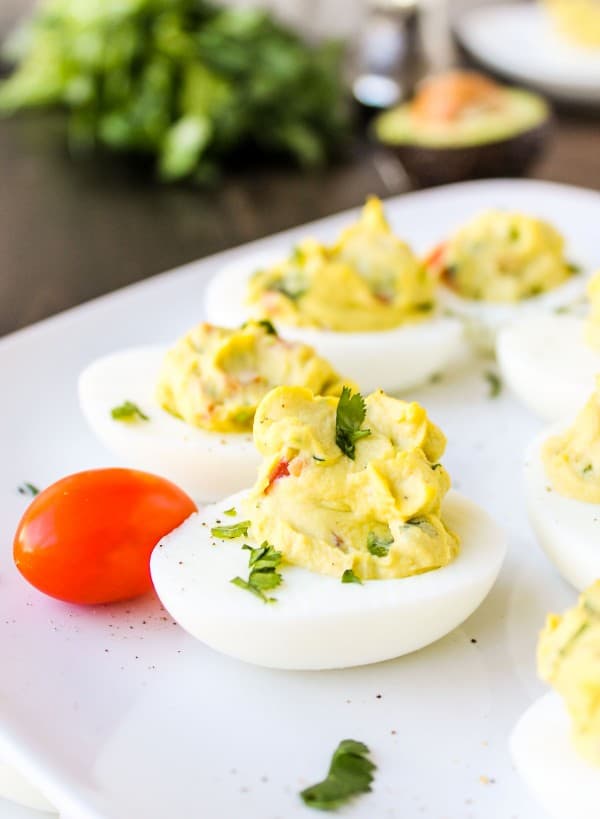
520 41
117 714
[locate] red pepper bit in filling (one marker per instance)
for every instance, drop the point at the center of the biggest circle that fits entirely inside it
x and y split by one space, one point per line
280 471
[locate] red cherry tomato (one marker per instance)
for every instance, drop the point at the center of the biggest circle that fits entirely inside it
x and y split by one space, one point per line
88 537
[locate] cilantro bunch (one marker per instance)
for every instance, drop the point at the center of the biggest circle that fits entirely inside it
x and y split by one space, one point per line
183 80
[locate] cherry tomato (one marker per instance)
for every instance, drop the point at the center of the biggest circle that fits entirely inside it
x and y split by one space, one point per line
88 537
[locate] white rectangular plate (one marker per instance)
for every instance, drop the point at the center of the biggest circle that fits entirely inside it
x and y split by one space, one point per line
116 713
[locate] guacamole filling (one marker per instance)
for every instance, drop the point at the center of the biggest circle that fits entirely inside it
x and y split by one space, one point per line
572 459
502 256
592 325
214 378
347 484
569 659
369 280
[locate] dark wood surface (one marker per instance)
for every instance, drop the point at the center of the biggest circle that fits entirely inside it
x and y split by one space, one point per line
72 229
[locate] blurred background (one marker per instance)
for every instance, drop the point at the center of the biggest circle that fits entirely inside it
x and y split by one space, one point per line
137 135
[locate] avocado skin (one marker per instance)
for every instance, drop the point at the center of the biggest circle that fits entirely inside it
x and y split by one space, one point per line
427 167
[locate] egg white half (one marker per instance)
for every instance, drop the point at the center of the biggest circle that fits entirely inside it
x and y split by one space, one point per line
391 360
546 363
16 788
485 319
568 530
207 465
564 783
318 622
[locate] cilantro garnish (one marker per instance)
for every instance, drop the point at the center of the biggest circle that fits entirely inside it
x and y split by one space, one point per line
268 326
350 414
495 384
232 530
292 286
573 268
263 563
27 488
350 577
350 774
379 546
128 411
231 512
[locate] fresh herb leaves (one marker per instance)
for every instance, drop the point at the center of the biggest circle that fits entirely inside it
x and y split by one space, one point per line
350 577
268 326
292 288
189 81
263 562
27 488
379 546
350 774
228 532
128 411
494 383
230 512
350 414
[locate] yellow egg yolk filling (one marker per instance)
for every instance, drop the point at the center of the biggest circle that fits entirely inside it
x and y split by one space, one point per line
578 20
214 378
569 659
377 515
572 459
369 280
592 325
501 256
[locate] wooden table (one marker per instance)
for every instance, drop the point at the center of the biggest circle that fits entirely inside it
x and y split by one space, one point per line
74 229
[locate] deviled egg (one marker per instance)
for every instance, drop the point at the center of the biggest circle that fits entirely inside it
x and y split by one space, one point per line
347 550
366 303
550 361
500 266
187 413
556 744
562 487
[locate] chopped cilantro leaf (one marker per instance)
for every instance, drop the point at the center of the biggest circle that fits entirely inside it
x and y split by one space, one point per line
350 577
379 546
293 287
573 268
27 488
128 411
268 326
230 512
263 563
232 530
495 384
350 774
350 414
587 469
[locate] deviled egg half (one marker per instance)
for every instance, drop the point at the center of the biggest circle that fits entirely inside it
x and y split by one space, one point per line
550 361
347 550
186 413
502 265
562 487
366 303
556 744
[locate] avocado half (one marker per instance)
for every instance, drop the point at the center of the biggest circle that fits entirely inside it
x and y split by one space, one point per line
503 143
